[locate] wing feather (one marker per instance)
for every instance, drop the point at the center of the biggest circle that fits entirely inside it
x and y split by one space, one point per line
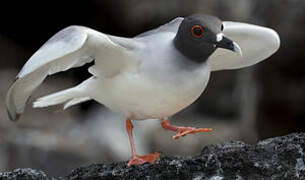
69 48
257 43
171 26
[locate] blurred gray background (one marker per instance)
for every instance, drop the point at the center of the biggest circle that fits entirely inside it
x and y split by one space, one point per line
250 104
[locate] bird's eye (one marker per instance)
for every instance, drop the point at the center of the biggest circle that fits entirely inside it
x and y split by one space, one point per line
197 31
222 27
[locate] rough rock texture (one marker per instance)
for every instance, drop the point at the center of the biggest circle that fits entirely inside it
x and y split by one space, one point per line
23 174
275 158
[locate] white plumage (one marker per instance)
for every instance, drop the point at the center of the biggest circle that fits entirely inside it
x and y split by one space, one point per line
257 44
142 77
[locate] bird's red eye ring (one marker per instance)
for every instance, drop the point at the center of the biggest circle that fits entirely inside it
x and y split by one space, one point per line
197 31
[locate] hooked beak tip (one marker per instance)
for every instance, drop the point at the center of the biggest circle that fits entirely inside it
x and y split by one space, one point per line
228 44
237 49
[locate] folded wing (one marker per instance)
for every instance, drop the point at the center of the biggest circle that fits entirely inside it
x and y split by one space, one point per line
72 47
257 43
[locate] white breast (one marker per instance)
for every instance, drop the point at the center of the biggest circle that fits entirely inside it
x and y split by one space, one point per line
140 97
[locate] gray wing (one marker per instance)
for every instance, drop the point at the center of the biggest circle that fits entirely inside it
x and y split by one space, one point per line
257 43
72 47
172 26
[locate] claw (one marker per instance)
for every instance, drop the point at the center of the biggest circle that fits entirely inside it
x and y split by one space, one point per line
143 159
182 131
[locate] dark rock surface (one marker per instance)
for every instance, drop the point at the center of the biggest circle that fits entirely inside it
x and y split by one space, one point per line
277 158
23 174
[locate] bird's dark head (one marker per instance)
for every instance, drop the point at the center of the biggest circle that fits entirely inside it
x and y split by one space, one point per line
200 35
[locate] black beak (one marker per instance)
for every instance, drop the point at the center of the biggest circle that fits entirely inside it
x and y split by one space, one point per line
226 43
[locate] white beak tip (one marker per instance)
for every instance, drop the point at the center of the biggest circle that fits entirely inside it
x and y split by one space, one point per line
237 49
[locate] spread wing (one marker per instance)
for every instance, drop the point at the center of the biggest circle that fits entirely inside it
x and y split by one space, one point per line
72 47
257 43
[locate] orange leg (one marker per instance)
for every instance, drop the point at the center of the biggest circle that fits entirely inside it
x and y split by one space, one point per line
136 159
182 131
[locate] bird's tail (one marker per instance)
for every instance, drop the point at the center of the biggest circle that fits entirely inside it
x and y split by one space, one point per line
71 96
